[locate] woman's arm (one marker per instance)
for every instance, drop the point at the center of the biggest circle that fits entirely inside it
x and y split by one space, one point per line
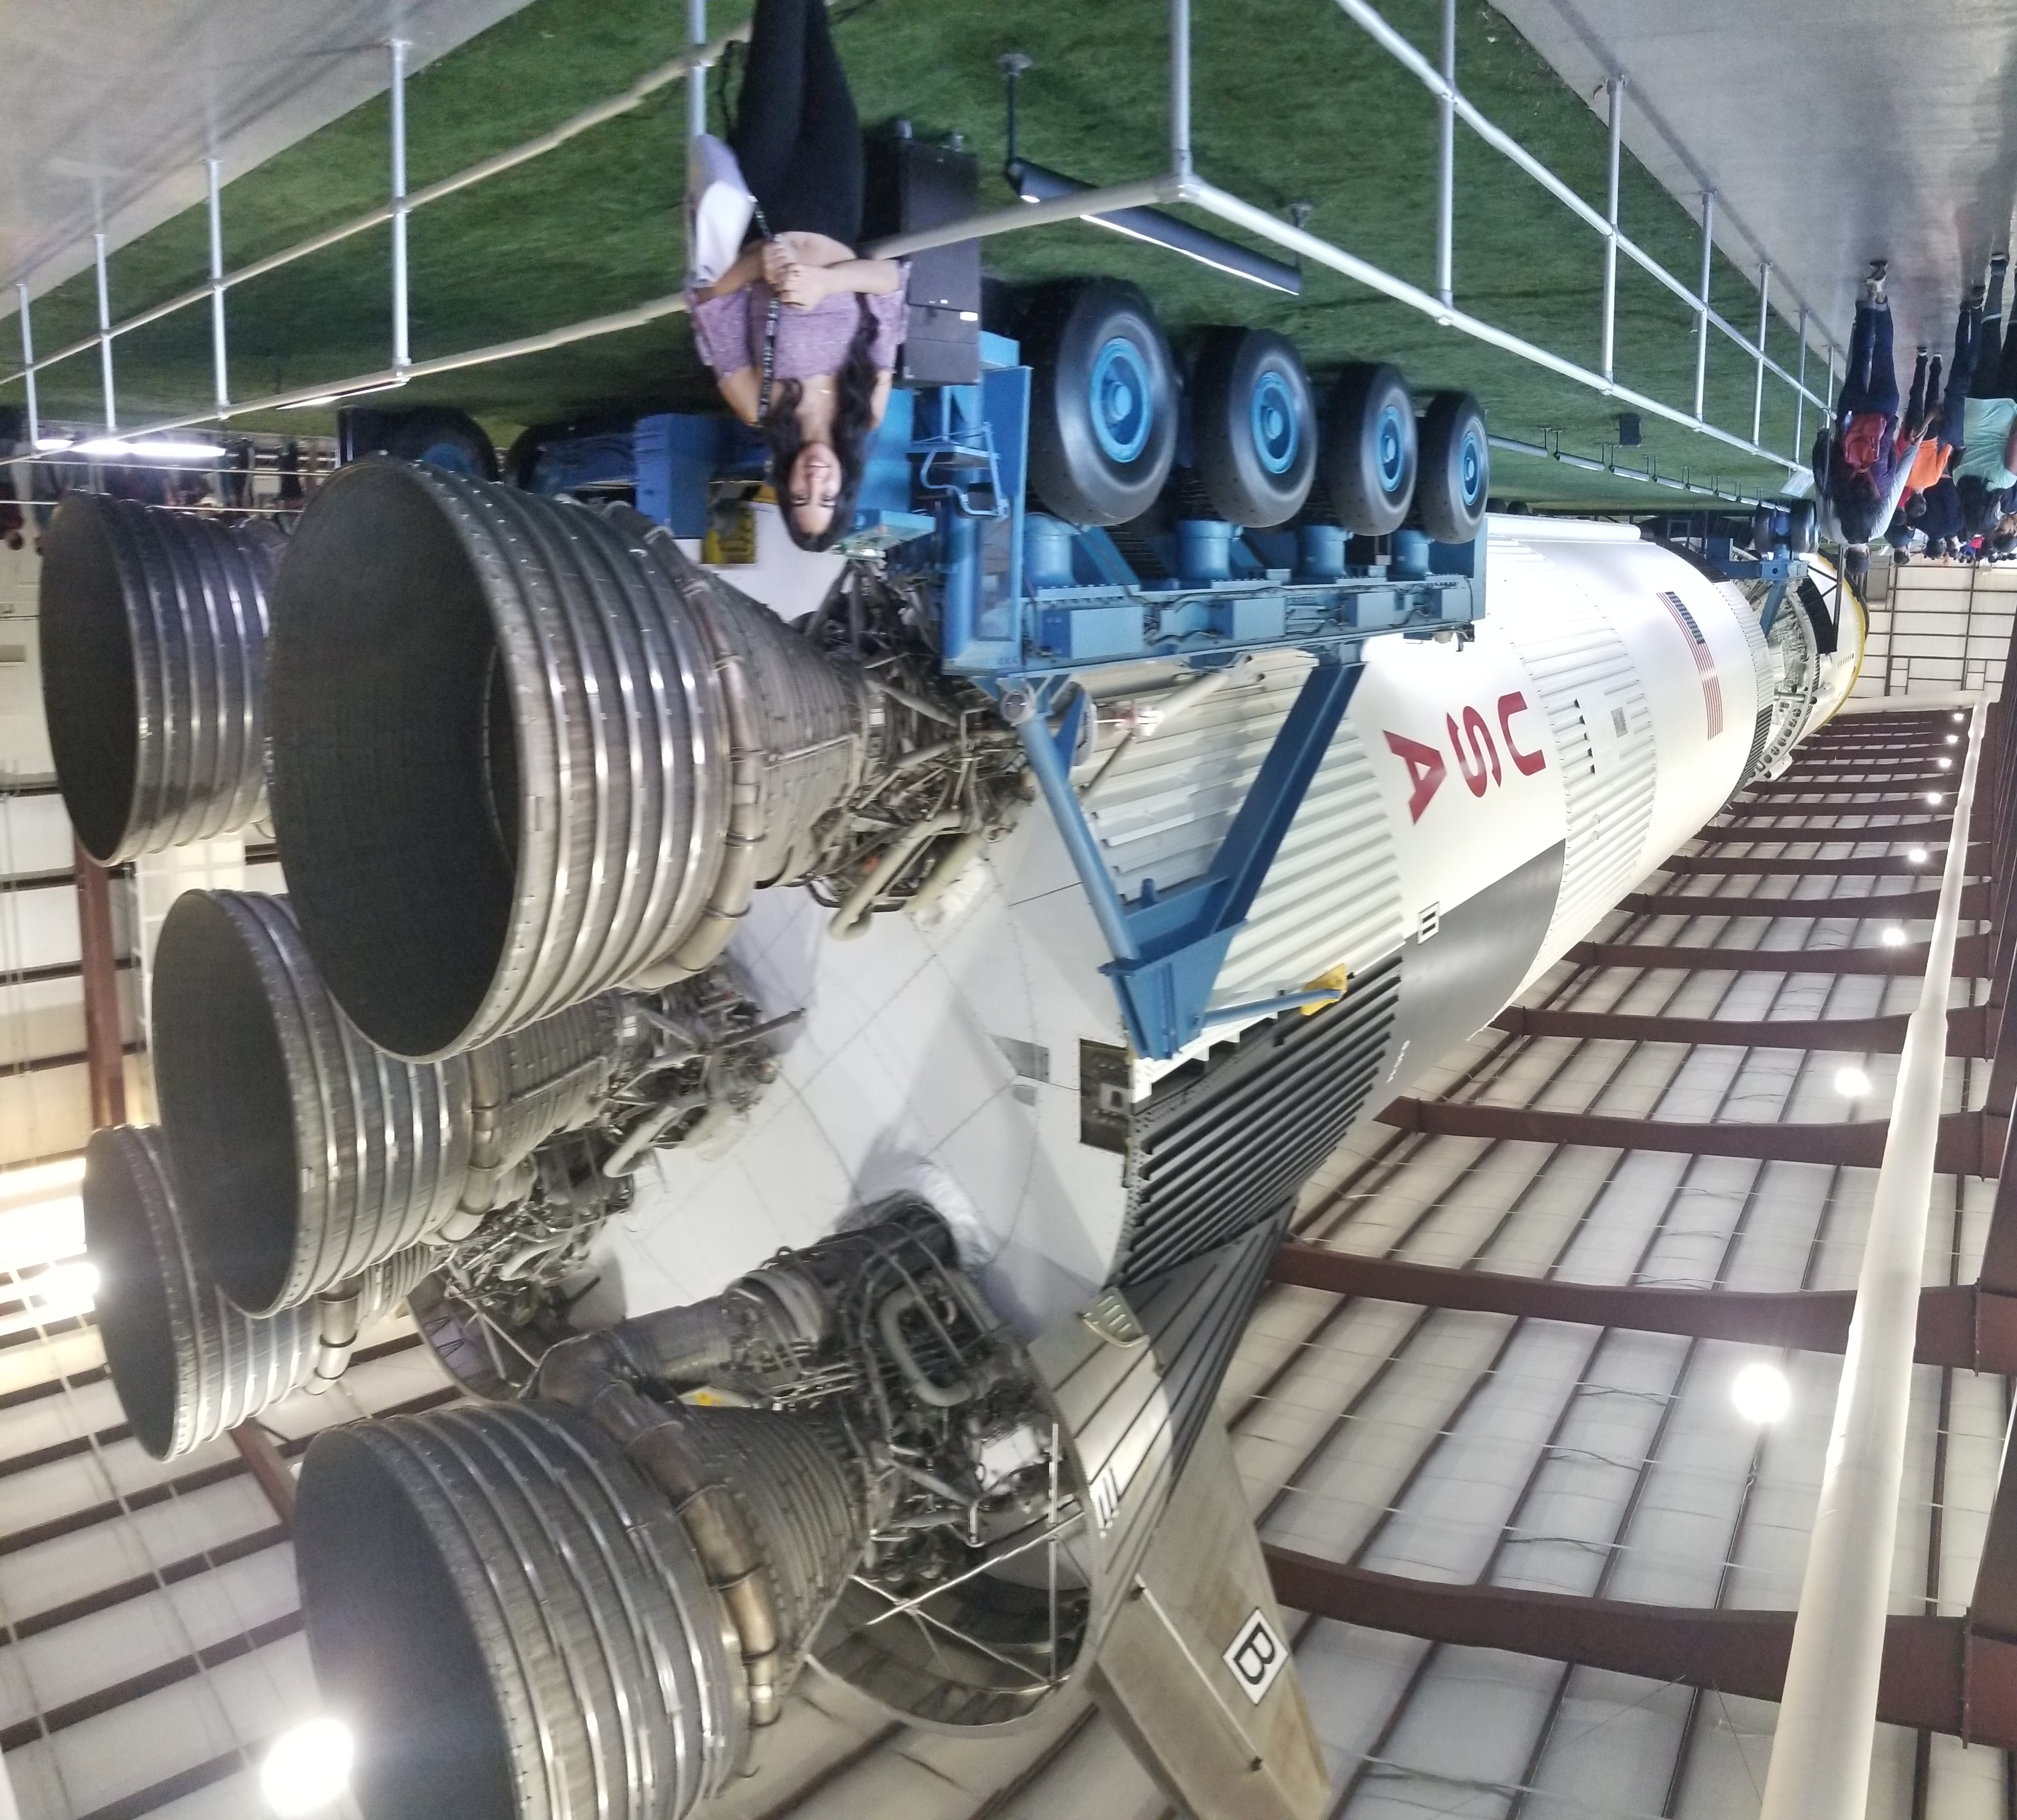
878 400
743 390
743 273
802 286
2010 449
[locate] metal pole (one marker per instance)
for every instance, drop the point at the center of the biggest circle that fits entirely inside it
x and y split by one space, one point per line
105 337
1827 1714
697 76
220 366
1617 86
401 352
1446 160
1828 413
1701 313
1800 390
1180 88
1764 323
28 362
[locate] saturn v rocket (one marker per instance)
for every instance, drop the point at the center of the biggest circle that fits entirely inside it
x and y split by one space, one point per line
715 1029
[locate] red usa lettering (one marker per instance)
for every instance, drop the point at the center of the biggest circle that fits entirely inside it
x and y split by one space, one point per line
1476 753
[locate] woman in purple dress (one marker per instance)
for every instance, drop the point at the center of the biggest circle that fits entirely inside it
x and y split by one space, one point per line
802 335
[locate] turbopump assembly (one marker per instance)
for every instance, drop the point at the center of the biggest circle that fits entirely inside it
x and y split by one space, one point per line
593 1600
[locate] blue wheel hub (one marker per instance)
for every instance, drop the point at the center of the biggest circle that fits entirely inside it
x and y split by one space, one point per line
1391 449
1470 467
1277 435
1123 408
452 456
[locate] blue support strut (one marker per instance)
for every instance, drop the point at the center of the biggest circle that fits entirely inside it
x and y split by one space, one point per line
1167 950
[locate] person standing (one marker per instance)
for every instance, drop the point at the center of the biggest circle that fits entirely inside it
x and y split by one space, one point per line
1986 471
802 335
1859 461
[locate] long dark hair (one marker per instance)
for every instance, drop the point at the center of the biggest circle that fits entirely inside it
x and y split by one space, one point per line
854 425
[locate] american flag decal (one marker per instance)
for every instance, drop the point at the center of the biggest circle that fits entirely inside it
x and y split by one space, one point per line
1704 662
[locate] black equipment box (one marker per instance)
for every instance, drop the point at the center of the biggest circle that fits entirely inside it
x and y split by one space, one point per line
912 185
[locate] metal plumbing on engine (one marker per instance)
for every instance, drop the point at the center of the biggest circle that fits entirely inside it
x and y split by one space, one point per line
704 1484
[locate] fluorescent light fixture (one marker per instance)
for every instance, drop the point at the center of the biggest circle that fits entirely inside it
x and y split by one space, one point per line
323 400
1917 857
38 1180
52 444
154 449
1034 183
308 1767
1761 1393
1852 1083
1894 936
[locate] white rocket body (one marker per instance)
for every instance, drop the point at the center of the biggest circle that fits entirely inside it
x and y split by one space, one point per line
1483 806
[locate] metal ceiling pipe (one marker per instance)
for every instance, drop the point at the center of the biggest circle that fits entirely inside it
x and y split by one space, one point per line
187 1365
517 1616
525 751
153 636
304 1155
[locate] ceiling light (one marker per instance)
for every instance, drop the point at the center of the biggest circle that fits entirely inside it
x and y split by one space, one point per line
1944 764
1852 1083
1761 1393
1954 739
160 448
51 444
1933 797
1960 716
1917 857
38 1230
1894 936
62 1289
308 1767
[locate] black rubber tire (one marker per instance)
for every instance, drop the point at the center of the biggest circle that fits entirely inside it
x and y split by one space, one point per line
1806 529
1253 426
1456 475
1369 449
442 438
1763 539
1099 332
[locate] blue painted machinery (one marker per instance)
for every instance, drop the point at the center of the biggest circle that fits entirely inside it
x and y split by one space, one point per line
1030 607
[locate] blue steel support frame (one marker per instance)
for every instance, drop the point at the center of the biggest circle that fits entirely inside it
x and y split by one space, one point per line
1167 950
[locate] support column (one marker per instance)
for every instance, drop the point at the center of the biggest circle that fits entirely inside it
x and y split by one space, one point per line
104 1038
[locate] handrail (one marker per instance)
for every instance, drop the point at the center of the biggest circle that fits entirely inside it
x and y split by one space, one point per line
1827 1727
1397 47
703 56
